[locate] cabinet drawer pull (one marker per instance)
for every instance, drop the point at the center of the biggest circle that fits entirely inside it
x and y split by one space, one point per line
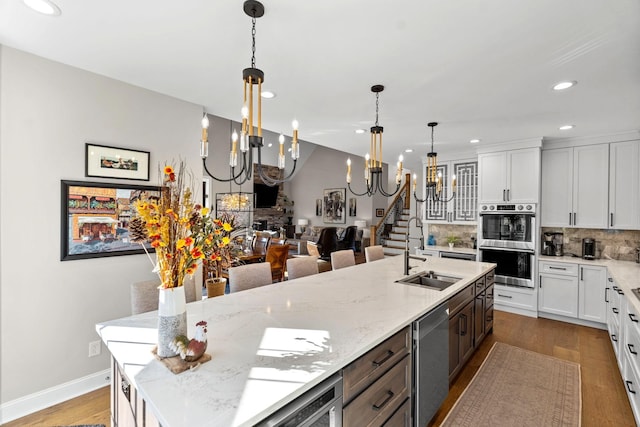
611 219
126 389
551 267
633 317
614 338
627 383
575 221
619 291
508 195
606 298
505 296
388 356
610 279
570 218
504 199
377 407
615 310
631 349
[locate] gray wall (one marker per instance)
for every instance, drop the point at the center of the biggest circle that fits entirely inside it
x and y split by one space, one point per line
49 308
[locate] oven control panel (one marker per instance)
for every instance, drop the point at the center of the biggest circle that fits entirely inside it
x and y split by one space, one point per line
508 208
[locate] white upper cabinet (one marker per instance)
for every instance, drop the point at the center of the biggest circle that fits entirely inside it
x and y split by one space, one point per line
624 185
575 187
509 176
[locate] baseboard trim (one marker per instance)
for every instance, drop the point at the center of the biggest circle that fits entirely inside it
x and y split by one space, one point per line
34 402
514 310
575 321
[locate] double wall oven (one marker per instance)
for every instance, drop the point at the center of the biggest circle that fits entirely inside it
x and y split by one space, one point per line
507 237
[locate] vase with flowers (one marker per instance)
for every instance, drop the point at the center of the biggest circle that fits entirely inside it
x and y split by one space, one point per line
214 236
171 224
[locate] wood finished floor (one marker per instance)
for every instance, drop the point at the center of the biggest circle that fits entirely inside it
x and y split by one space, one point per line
604 399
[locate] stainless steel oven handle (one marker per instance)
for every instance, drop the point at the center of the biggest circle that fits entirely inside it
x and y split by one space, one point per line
493 248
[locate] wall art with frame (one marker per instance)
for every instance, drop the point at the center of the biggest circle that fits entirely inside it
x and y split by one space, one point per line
334 205
114 162
318 207
95 218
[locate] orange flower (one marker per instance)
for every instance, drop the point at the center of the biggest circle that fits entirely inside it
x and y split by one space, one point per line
155 243
188 241
168 170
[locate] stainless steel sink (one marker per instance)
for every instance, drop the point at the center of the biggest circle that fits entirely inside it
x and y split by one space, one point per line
429 279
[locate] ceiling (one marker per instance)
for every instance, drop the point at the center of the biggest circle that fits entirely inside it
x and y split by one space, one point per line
483 69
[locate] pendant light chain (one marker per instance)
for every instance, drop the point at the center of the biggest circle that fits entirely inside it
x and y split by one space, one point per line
253 41
377 103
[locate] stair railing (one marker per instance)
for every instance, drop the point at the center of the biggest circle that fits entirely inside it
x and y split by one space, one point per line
393 213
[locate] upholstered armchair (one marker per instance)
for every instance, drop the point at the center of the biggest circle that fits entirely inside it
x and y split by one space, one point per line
348 239
327 242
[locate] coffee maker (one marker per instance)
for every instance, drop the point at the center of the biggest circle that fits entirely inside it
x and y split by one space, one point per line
588 248
552 244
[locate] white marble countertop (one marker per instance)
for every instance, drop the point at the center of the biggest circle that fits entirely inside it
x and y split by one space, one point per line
271 344
625 274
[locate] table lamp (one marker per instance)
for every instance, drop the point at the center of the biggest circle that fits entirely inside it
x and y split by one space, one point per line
303 224
362 224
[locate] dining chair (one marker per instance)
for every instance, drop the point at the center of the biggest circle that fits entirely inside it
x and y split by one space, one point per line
277 256
260 244
276 242
373 253
342 259
302 266
249 276
145 294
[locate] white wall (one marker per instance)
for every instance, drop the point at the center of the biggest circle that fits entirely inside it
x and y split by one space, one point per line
49 308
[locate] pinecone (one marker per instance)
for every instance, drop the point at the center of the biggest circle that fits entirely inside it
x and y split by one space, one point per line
137 230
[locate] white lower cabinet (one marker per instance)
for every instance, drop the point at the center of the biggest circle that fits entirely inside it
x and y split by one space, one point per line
628 355
558 295
573 291
591 298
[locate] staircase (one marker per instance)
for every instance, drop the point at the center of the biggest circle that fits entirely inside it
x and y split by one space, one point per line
395 243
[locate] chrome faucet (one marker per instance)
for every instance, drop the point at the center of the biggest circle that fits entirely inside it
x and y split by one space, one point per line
407 256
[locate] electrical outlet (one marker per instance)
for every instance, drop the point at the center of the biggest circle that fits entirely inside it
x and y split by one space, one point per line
94 348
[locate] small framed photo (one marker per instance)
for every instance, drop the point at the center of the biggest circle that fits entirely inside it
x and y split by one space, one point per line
96 216
114 162
352 206
318 207
379 213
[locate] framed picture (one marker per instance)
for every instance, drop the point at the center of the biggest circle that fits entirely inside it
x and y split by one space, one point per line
379 212
318 207
113 162
95 219
352 206
334 205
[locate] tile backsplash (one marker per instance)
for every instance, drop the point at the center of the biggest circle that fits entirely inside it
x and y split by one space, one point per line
612 244
440 232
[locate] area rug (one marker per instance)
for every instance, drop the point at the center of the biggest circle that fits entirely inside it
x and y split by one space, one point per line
517 387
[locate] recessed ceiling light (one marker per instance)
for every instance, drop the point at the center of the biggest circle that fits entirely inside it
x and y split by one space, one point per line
564 85
360 131
566 127
45 7
270 145
409 150
267 94
474 141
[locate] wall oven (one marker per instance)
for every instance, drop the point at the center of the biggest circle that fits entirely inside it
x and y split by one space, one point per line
507 237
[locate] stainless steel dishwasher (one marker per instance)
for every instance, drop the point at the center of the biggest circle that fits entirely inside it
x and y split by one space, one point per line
430 363
319 407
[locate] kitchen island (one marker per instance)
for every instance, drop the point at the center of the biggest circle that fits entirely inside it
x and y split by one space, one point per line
272 344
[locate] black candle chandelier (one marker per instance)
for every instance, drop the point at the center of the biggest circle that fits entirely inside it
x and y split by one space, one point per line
433 187
373 164
251 136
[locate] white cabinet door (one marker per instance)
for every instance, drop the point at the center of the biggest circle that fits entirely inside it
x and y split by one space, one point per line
557 187
591 186
464 207
492 169
523 175
558 295
624 185
591 287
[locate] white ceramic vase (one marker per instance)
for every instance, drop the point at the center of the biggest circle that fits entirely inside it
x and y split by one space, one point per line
172 319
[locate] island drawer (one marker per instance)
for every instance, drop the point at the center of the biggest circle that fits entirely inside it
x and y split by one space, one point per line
402 417
378 402
490 277
460 299
523 298
360 374
480 285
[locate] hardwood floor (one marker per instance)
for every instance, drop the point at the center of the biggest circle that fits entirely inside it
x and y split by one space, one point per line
604 399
